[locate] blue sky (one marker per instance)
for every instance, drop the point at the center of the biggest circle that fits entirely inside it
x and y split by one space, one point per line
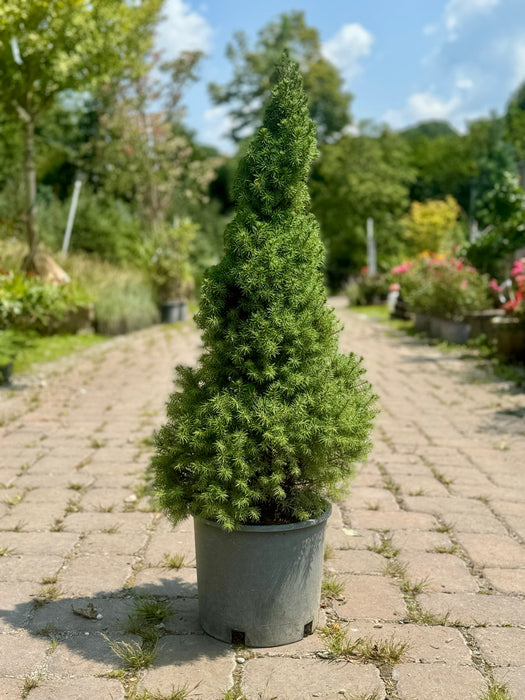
405 61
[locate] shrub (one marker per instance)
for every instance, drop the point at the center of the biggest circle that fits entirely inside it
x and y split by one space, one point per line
123 295
27 303
107 228
445 288
367 289
433 225
166 260
11 343
125 306
269 423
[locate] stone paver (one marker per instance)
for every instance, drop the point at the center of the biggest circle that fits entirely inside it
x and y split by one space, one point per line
501 646
431 532
290 679
78 689
437 682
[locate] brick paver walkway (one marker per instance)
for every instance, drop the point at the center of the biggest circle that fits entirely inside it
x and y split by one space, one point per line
428 546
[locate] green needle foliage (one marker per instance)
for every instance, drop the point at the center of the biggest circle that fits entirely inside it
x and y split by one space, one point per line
267 427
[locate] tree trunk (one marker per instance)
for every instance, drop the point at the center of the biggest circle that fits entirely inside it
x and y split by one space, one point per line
30 182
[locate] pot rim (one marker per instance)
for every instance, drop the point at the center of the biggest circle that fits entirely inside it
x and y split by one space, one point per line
271 528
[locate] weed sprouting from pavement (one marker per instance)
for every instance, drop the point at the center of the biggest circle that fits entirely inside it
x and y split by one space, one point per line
329 552
385 546
331 587
389 651
442 549
7 552
175 694
442 478
131 654
414 587
30 683
173 561
496 691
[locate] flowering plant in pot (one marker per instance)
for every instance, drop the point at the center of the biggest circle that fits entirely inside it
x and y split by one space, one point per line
167 253
264 431
510 330
443 287
443 292
515 305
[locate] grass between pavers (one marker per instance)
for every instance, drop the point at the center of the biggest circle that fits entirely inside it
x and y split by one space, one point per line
176 694
173 561
496 691
331 587
147 622
377 651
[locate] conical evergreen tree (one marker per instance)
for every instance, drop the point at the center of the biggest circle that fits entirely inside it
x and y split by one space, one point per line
267 427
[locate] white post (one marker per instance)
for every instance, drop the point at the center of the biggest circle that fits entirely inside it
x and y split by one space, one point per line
71 216
371 250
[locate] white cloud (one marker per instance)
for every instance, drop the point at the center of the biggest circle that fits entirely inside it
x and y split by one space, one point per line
464 83
394 118
425 106
346 48
217 125
457 11
182 29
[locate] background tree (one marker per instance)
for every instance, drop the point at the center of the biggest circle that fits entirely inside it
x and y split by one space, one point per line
249 88
50 46
504 207
494 156
142 153
443 161
433 226
360 177
514 125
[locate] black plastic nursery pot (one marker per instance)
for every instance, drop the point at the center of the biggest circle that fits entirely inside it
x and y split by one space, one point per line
260 585
173 311
6 372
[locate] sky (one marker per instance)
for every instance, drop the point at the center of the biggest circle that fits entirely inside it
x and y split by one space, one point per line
404 62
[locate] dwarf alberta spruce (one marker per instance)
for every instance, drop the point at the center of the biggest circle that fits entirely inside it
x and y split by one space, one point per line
267 427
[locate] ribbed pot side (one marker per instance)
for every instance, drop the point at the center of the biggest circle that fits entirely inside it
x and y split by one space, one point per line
260 585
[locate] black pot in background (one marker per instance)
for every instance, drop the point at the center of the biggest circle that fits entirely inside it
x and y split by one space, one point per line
6 372
173 311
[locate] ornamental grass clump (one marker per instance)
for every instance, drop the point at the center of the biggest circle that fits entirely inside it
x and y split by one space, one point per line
266 428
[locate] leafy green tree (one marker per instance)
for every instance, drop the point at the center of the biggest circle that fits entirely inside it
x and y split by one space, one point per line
269 423
50 46
514 129
360 177
141 158
504 208
493 157
249 88
443 160
429 130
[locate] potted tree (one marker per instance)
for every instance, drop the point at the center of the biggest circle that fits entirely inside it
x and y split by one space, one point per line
167 259
264 431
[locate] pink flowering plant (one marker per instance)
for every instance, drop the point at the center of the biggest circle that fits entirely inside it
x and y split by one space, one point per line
512 292
443 287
